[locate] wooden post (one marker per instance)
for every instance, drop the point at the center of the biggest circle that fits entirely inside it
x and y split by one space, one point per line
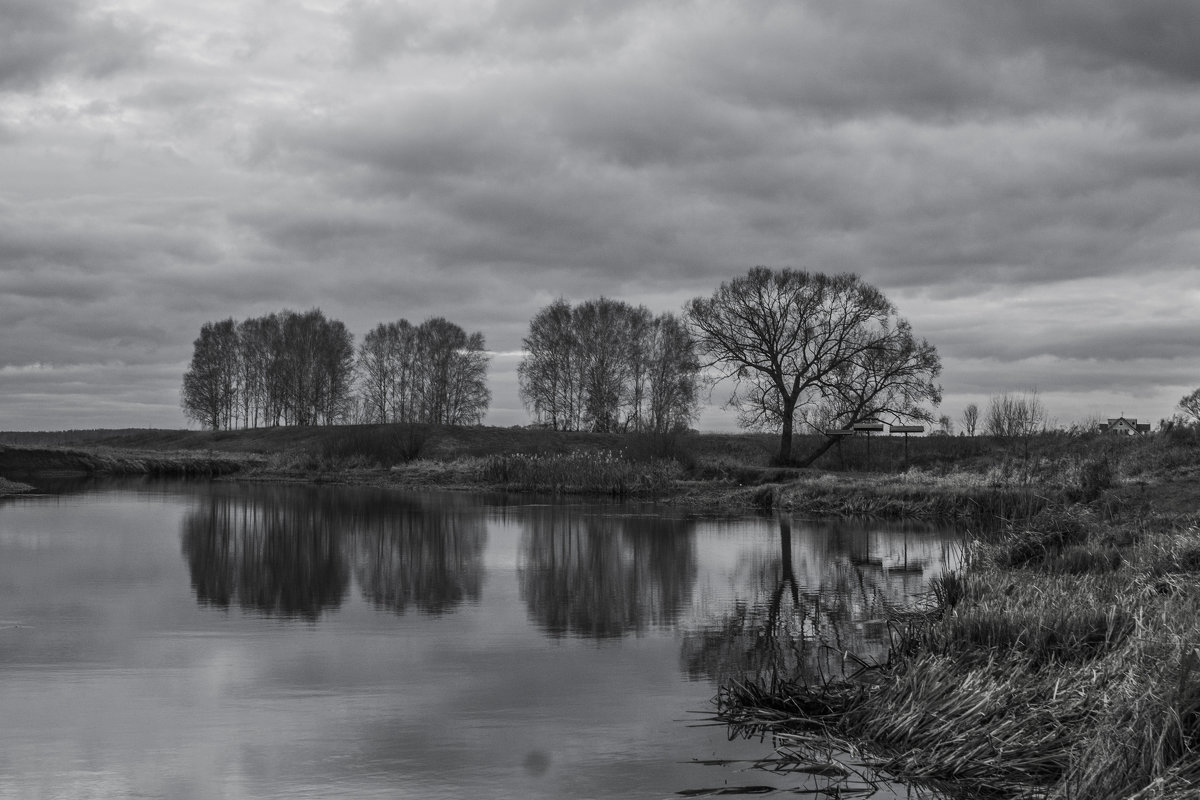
906 430
868 428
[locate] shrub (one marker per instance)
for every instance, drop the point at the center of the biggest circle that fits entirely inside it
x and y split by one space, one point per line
579 472
1080 560
375 445
1095 476
1046 536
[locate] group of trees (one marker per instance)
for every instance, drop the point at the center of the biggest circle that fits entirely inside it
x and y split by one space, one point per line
606 366
292 368
281 369
824 351
433 372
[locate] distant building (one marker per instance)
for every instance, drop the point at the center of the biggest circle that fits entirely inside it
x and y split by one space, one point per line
1123 426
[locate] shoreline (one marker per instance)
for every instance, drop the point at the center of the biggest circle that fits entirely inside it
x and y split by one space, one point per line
972 497
812 493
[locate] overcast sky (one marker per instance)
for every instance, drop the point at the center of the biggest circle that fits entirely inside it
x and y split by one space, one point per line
1021 178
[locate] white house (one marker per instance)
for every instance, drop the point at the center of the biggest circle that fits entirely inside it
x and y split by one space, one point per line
1125 427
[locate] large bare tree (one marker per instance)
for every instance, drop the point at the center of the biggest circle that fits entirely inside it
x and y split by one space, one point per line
1190 405
829 348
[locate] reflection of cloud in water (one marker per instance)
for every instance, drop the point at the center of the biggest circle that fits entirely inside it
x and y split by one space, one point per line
814 606
602 576
287 551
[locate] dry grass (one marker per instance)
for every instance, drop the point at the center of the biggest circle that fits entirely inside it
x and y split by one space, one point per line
1062 662
580 472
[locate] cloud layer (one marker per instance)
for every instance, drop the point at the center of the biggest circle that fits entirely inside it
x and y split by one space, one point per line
1021 179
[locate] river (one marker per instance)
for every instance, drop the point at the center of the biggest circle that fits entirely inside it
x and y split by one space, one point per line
222 640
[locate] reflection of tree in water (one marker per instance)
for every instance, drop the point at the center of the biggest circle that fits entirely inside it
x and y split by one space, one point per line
287 550
423 555
595 576
265 550
828 621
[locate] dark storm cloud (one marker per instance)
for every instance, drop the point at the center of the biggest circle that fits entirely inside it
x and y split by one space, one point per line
40 39
725 120
1103 35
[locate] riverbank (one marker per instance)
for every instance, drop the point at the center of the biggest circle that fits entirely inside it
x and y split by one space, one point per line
1061 661
963 478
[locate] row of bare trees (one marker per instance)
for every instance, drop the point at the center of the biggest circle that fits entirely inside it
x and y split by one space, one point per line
287 368
605 365
433 372
292 368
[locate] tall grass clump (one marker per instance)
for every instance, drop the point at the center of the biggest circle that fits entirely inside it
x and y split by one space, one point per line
373 445
603 472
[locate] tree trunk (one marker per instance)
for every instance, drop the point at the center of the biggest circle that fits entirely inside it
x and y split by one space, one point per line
830 441
785 438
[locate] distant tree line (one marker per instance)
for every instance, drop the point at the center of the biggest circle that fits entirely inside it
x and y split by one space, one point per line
606 366
291 368
826 351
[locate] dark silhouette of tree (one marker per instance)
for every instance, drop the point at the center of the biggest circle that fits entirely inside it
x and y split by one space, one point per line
831 347
210 385
1190 405
453 374
299 369
435 373
387 365
1016 417
970 419
608 366
672 369
550 378
317 362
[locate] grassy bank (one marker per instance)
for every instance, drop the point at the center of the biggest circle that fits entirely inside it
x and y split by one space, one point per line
968 478
1062 661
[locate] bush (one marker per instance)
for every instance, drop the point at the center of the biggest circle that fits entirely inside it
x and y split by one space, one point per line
675 446
375 445
1095 476
1046 536
1084 560
579 472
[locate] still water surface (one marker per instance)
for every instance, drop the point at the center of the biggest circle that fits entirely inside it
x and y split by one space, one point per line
193 640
